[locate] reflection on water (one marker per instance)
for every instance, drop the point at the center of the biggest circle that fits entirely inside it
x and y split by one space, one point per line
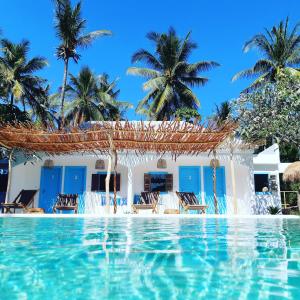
149 258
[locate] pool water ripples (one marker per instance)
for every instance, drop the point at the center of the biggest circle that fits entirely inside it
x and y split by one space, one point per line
159 258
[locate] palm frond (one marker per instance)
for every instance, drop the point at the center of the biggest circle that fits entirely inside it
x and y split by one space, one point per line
155 83
145 72
87 39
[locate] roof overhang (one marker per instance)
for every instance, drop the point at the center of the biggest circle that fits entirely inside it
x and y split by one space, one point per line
173 137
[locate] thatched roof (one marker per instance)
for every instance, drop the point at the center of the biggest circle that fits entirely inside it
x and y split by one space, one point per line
161 137
292 172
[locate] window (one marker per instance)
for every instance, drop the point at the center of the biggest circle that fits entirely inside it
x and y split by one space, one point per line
261 181
158 182
98 182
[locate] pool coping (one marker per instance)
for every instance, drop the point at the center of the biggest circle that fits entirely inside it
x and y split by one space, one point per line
154 216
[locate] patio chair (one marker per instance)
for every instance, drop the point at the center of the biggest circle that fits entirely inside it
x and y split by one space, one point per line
66 202
148 200
189 201
24 199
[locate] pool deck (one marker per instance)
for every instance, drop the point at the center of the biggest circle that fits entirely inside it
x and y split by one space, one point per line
150 216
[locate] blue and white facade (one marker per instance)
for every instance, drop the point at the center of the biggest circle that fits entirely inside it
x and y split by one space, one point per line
77 173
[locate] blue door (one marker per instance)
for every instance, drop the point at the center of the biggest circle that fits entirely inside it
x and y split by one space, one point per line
50 187
189 180
209 189
75 182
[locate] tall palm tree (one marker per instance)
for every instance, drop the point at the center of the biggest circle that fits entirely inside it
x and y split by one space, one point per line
170 76
91 98
281 50
18 82
70 27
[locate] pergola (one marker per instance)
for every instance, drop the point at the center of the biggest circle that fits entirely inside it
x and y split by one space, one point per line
174 137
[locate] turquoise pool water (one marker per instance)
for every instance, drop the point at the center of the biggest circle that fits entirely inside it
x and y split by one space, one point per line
138 258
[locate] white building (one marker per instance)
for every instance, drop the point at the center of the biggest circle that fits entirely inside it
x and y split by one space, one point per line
85 174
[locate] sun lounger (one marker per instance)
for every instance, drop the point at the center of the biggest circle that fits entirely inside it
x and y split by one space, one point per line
148 200
189 201
24 199
66 202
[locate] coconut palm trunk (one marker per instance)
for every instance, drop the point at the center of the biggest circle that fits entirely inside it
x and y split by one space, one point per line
63 92
215 183
115 180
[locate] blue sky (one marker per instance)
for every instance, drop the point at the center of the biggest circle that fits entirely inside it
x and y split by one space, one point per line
220 29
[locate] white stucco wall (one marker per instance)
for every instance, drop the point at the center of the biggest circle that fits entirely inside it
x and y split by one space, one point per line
267 162
28 177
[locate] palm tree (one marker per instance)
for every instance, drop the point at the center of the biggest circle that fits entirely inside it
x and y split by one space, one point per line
18 82
281 50
91 98
70 28
83 104
170 75
223 113
111 108
45 111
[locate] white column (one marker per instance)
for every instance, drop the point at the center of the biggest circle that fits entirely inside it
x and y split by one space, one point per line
129 188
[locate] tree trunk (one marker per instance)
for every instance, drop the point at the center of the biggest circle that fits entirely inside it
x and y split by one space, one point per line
235 209
9 175
115 180
63 91
215 184
107 180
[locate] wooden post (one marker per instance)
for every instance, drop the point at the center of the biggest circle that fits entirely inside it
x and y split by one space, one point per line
215 182
9 175
107 180
115 180
235 208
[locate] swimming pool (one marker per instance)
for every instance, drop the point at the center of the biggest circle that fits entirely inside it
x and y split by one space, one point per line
149 258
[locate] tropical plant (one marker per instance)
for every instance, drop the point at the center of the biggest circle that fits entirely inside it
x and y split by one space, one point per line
271 112
70 27
18 82
222 113
187 114
107 94
12 114
170 76
281 50
273 210
91 98
46 112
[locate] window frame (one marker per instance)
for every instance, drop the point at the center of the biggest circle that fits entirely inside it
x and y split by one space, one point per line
111 178
268 186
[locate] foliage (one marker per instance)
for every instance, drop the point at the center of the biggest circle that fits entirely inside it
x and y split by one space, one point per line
288 152
223 113
281 50
170 76
70 29
18 82
271 112
187 114
91 98
273 210
12 114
